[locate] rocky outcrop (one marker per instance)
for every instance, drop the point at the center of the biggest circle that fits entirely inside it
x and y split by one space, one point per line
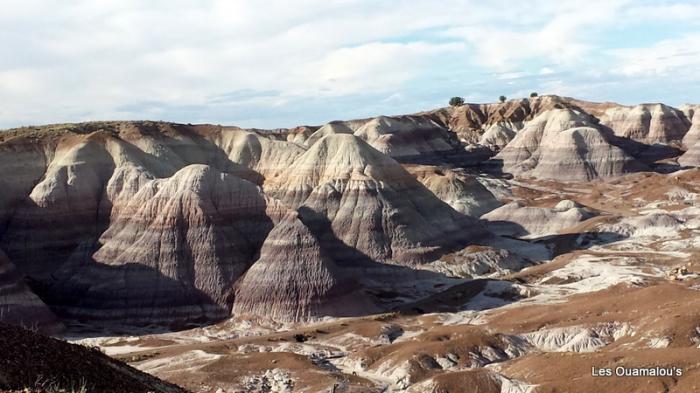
564 144
369 202
148 222
691 139
334 127
62 210
406 136
300 134
23 161
175 146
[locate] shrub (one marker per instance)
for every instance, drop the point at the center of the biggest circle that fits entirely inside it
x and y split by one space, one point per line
300 338
533 94
456 101
502 98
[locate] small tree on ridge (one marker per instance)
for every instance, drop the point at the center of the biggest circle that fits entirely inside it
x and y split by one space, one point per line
456 101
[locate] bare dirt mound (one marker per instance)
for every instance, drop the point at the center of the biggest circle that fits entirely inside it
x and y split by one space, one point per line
41 364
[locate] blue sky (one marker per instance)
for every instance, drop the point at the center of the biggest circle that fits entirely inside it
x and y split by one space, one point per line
285 63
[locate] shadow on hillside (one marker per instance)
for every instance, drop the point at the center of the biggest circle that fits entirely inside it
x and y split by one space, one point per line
390 285
564 243
649 155
558 243
412 291
135 299
494 167
479 294
125 299
450 300
455 158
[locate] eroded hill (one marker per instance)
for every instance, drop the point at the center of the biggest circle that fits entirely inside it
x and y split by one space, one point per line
465 245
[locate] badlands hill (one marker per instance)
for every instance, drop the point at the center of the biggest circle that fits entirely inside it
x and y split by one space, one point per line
565 144
395 253
646 123
146 222
152 222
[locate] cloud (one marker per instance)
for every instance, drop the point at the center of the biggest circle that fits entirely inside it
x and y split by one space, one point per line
558 36
375 66
215 60
689 12
675 58
511 75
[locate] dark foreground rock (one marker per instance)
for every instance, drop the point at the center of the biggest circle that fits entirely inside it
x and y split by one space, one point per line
30 362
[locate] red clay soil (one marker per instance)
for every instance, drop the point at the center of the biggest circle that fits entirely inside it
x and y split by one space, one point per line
30 362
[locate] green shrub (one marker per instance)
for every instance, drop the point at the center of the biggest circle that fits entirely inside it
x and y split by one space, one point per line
456 101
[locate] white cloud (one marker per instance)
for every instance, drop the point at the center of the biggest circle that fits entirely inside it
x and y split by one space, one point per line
559 37
673 11
665 58
21 82
511 75
82 60
375 66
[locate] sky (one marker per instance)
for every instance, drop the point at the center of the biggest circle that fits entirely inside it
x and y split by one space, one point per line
271 64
